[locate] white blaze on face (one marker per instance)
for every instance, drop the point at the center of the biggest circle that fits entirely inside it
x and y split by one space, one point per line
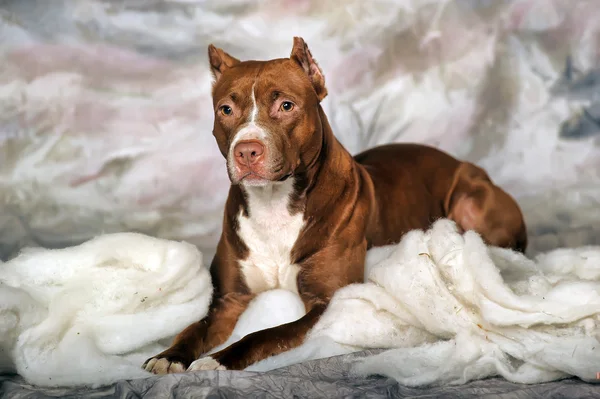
248 131
254 112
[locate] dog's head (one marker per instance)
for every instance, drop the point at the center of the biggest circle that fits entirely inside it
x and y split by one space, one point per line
267 120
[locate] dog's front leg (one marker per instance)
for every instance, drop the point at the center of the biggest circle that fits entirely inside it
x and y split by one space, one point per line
202 336
265 343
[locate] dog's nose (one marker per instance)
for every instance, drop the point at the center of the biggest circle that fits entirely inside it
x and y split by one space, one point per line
248 152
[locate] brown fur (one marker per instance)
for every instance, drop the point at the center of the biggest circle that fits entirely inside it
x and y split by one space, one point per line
349 203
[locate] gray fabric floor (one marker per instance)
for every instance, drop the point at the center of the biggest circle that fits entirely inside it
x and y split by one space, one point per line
326 378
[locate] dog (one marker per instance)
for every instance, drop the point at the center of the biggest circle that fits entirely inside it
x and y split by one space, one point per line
302 211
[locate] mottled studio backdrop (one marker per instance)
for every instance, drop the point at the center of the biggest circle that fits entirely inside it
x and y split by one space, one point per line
106 117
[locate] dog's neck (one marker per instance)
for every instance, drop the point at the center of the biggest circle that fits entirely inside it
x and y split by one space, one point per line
334 163
269 195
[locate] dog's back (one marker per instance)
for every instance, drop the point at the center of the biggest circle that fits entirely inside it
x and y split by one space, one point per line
417 184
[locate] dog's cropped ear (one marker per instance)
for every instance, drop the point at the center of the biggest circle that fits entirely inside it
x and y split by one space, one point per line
301 54
475 203
220 61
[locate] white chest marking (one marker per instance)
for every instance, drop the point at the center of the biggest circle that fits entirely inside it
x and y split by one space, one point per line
270 232
254 112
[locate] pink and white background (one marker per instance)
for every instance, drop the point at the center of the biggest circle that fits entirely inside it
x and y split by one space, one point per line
106 115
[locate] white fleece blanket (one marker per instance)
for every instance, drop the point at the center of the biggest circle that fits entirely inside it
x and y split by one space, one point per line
452 309
91 314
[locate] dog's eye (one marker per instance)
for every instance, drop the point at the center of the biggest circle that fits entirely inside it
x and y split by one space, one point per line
226 110
287 106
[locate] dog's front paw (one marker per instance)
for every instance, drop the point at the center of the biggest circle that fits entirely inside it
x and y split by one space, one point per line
206 363
173 360
162 365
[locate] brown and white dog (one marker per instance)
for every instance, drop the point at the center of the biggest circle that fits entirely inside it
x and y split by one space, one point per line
302 212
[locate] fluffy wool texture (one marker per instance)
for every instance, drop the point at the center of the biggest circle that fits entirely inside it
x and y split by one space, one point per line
91 314
452 308
498 312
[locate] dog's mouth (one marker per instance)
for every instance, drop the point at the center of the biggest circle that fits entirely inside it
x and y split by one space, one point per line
252 177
